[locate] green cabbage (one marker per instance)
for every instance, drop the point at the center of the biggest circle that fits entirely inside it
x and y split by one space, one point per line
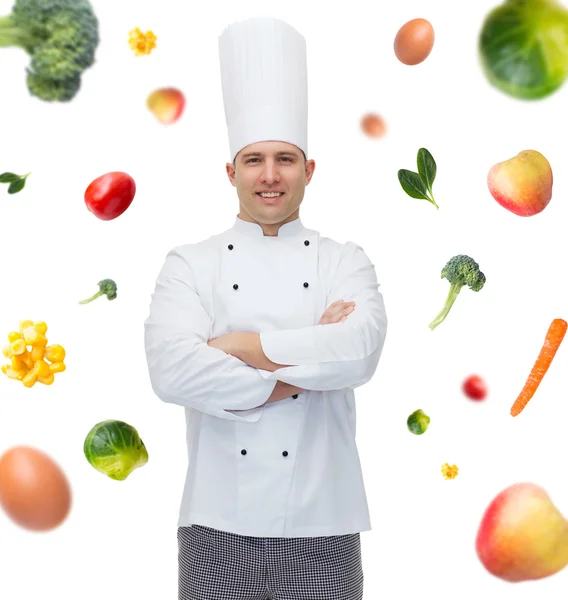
115 449
523 47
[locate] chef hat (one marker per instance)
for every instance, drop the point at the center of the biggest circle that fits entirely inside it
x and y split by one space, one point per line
265 84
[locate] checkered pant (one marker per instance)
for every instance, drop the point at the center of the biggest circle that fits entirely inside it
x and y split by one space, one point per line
217 565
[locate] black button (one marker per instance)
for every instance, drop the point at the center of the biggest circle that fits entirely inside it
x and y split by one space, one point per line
230 246
307 243
285 453
235 287
243 451
306 284
295 396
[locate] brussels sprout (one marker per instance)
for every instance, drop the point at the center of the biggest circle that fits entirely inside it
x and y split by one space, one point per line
418 422
115 449
523 47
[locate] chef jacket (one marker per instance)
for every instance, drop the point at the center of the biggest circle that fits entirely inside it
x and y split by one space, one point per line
288 468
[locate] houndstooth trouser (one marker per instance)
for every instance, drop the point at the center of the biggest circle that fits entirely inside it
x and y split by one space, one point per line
217 565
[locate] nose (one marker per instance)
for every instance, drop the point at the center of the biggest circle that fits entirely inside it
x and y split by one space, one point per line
269 172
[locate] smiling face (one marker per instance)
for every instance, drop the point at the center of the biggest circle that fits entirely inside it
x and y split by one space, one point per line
270 167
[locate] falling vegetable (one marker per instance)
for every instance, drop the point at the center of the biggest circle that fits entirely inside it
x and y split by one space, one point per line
552 341
115 449
523 48
460 270
109 195
449 471
17 182
107 287
61 37
141 43
418 422
418 185
30 365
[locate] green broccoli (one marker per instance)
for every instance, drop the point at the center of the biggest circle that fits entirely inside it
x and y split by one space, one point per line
61 37
106 286
460 270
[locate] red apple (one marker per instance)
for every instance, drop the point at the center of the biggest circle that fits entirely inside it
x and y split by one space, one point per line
522 184
166 104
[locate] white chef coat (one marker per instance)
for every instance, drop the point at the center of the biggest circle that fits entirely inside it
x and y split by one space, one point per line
288 468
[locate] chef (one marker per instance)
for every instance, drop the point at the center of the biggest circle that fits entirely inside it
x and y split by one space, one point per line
263 332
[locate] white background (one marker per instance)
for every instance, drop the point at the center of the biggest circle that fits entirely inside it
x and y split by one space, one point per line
120 537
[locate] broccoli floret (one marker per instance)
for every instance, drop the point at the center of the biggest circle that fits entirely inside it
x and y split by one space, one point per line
106 286
61 37
460 270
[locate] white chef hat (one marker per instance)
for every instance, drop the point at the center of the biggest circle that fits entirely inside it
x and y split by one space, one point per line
265 84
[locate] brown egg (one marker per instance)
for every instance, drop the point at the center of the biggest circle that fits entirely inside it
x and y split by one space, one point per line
414 41
34 491
373 125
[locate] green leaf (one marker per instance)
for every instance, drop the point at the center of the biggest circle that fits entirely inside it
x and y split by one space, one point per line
8 177
426 168
16 186
412 184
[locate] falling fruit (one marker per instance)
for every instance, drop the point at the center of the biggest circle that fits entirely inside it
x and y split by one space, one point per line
522 184
166 104
522 536
373 125
475 388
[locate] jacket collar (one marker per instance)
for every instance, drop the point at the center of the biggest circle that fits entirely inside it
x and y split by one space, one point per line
253 229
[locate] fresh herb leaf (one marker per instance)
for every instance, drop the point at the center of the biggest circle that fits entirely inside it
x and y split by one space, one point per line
16 186
8 177
417 185
412 184
426 168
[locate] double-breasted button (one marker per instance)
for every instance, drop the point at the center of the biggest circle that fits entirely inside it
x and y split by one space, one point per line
235 286
306 242
295 396
243 451
306 284
230 246
285 453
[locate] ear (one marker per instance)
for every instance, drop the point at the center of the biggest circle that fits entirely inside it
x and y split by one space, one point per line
310 168
230 168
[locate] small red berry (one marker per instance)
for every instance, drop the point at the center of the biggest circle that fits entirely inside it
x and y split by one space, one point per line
474 388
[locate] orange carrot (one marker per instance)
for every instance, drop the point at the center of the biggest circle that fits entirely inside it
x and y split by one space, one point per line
554 337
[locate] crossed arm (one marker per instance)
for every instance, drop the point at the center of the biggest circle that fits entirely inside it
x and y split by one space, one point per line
234 374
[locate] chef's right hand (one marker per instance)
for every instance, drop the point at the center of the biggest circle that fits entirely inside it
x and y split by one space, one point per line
337 312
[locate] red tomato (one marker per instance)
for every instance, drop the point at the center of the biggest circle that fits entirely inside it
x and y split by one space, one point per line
474 388
109 195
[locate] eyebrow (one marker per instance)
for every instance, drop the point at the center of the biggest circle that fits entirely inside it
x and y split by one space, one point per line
286 153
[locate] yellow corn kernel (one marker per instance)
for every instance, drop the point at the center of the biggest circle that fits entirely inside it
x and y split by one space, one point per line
41 368
57 367
40 327
30 335
14 335
26 359
46 380
18 346
7 351
18 363
24 324
30 379
40 341
37 353
54 353
4 368
15 374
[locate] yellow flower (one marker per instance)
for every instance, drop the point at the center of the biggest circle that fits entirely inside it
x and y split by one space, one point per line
141 43
449 472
